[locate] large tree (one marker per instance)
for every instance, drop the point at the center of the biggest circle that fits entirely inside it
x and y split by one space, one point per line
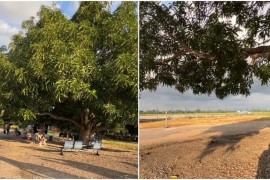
81 70
209 47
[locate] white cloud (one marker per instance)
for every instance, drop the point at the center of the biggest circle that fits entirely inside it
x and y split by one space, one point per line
12 14
15 12
7 29
6 32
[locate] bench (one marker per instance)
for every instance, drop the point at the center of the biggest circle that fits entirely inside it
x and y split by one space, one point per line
97 145
72 146
78 146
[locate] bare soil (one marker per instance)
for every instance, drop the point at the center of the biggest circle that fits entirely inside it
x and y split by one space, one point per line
19 158
238 149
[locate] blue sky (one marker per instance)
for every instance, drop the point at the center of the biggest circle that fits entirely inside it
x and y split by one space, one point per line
68 7
12 13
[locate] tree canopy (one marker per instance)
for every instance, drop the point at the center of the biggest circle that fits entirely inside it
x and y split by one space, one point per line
81 70
208 47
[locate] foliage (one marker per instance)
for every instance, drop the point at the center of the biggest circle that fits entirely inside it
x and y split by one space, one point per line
204 46
66 67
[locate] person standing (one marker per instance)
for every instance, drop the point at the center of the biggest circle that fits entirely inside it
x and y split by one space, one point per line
8 127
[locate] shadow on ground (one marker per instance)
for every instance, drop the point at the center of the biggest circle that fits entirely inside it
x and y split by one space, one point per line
114 150
42 148
48 172
230 137
12 138
131 164
109 173
263 171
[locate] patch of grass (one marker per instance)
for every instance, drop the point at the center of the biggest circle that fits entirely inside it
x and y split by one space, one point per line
120 144
108 142
53 133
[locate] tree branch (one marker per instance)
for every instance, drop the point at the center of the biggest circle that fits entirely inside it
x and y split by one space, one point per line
184 46
190 50
257 50
254 53
59 118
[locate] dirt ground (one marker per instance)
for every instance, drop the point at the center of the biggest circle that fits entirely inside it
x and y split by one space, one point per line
20 158
222 150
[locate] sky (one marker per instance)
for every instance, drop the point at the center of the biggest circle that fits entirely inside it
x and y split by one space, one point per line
13 13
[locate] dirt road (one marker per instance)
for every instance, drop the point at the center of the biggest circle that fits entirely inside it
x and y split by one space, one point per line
158 135
227 150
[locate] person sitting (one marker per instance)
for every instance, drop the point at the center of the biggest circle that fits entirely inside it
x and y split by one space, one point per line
41 139
64 135
17 132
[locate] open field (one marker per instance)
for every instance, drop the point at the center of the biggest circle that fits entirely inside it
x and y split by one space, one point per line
227 147
162 116
19 158
151 120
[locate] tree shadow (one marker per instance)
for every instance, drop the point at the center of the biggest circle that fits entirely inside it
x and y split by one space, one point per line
109 173
263 171
49 172
57 142
42 149
15 139
130 164
232 134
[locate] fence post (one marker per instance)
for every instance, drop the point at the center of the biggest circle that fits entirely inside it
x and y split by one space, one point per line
166 119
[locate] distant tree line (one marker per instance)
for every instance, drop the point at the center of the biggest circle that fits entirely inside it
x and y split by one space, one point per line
180 111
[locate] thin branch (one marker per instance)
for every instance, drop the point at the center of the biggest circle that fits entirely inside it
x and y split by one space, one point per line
60 118
190 50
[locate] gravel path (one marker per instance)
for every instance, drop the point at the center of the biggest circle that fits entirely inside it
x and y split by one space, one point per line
20 158
235 150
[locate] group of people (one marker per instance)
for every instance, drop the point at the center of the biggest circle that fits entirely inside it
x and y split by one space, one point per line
37 137
6 128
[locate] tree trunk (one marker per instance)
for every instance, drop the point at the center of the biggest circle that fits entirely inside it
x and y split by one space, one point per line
87 126
86 133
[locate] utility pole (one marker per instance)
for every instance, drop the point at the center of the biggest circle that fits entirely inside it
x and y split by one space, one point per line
157 114
172 112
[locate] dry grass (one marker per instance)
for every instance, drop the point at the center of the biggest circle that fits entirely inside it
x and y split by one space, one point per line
121 144
201 121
